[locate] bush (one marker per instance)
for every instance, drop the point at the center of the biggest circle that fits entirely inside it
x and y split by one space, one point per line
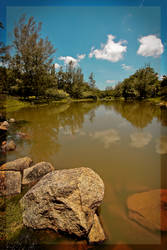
56 93
89 94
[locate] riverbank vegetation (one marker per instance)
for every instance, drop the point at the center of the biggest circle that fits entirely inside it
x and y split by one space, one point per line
29 73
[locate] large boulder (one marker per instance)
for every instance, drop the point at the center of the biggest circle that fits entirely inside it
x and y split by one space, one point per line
36 172
64 200
17 165
149 209
10 182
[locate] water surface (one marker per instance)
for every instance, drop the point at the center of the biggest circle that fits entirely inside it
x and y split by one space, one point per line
122 142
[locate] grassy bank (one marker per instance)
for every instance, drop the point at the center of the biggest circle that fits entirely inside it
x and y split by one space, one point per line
12 104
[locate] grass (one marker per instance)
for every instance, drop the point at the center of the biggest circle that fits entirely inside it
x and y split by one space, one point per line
13 104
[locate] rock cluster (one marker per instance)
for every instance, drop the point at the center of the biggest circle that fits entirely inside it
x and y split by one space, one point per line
15 173
66 201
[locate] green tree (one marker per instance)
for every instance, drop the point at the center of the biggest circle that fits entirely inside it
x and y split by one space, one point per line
4 58
32 62
92 81
163 87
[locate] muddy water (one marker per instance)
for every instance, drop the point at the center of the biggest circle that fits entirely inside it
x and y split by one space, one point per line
125 143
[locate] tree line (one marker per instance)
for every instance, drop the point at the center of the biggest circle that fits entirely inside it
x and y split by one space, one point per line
30 72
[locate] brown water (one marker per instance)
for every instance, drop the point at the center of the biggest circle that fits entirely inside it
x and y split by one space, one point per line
123 142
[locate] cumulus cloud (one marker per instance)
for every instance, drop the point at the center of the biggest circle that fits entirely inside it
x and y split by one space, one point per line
161 145
57 66
81 57
126 67
75 61
110 81
68 59
150 46
107 137
111 51
139 140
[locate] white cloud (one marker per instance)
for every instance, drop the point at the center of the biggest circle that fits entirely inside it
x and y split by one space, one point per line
57 66
139 140
68 59
107 137
126 67
150 46
111 51
81 57
110 81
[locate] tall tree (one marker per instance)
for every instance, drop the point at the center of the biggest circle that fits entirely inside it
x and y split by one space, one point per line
92 81
33 59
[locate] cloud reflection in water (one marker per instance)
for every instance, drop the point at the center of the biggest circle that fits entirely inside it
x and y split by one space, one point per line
140 139
107 137
161 145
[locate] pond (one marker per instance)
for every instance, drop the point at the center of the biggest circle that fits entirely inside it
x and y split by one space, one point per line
124 142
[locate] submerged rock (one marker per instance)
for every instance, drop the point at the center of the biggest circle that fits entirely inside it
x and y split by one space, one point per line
12 120
149 209
96 234
64 200
8 146
17 165
10 182
36 172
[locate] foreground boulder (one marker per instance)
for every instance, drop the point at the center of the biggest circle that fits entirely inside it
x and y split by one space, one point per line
149 209
17 165
10 182
36 172
64 200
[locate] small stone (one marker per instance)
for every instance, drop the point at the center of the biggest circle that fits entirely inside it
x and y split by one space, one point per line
10 183
96 234
12 120
17 165
8 146
5 124
36 172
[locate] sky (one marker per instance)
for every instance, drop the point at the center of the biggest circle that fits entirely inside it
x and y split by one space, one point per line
112 38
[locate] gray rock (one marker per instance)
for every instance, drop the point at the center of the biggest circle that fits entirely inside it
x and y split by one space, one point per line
36 172
11 120
8 146
96 234
64 200
10 182
5 124
17 165
149 209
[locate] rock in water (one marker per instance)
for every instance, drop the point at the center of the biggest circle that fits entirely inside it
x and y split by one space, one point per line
149 209
96 234
5 124
36 172
17 165
64 200
11 120
8 146
10 182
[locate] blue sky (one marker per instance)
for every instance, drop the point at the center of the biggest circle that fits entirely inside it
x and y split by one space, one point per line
112 39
